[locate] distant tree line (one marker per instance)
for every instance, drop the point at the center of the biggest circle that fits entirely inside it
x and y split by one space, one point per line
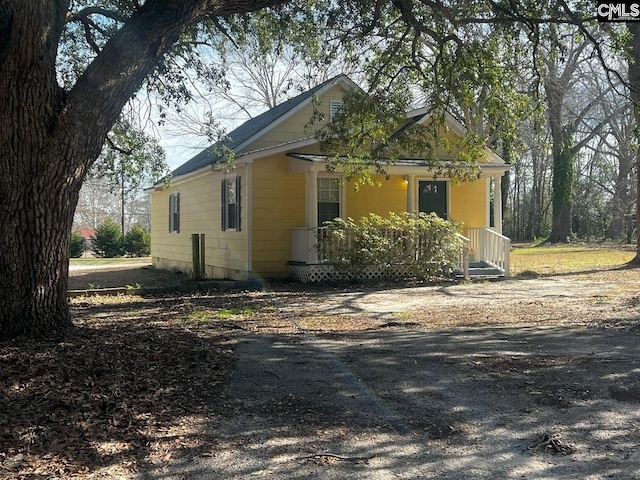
108 241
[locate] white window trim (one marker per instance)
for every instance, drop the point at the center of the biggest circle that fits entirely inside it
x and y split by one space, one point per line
342 193
174 209
223 204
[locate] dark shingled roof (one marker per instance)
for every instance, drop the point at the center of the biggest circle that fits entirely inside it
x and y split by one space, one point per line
249 128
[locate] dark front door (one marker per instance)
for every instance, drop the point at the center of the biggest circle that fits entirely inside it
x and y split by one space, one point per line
432 197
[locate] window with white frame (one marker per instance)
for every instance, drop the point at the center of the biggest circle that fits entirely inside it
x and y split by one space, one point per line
231 204
328 199
174 212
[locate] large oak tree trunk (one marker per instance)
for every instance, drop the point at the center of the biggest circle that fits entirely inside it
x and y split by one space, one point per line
622 199
35 244
37 184
50 137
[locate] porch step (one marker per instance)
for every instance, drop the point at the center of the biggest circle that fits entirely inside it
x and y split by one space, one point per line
483 269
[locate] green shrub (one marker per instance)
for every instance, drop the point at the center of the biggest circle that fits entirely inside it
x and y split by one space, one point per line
137 242
76 247
426 246
107 241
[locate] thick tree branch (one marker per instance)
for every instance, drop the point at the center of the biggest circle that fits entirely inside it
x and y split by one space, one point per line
130 56
85 14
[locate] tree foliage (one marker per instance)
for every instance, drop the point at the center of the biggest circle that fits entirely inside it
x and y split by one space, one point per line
76 246
137 242
107 241
129 160
96 202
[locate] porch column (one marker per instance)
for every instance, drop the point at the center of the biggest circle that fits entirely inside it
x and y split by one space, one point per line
497 204
312 214
312 198
487 203
411 193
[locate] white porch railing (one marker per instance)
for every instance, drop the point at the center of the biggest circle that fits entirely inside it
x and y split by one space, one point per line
489 246
483 244
304 248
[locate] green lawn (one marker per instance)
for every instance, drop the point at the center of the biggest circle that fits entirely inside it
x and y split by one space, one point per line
569 258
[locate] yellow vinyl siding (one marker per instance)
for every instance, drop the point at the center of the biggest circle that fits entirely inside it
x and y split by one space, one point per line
271 269
278 206
177 246
390 196
295 127
225 252
468 203
167 249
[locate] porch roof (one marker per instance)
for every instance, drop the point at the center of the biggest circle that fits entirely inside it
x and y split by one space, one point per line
405 164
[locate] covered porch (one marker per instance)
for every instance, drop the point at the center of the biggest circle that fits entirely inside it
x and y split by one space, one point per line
410 188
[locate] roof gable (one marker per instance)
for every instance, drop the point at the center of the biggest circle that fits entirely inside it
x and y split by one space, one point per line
257 126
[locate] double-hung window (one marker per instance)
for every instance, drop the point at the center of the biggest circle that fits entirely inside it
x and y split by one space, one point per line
231 204
174 212
328 199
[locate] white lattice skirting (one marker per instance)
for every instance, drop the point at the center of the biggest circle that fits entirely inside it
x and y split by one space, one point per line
322 272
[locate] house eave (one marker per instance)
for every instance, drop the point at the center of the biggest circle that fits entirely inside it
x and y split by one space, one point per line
179 179
458 129
275 149
303 162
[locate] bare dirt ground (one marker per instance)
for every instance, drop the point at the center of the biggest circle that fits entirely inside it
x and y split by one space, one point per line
513 379
136 272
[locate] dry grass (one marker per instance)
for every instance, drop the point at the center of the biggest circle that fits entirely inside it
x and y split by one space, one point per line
570 258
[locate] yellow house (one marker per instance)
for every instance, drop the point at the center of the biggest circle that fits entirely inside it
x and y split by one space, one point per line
261 219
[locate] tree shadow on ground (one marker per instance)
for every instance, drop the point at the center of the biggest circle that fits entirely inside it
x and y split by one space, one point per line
116 395
144 386
532 275
463 405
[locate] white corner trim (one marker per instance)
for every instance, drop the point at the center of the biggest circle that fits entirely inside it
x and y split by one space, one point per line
248 189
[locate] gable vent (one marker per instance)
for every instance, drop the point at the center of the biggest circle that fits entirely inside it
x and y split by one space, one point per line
334 106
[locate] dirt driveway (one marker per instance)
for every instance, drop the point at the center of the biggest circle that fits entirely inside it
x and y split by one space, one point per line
533 379
480 403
